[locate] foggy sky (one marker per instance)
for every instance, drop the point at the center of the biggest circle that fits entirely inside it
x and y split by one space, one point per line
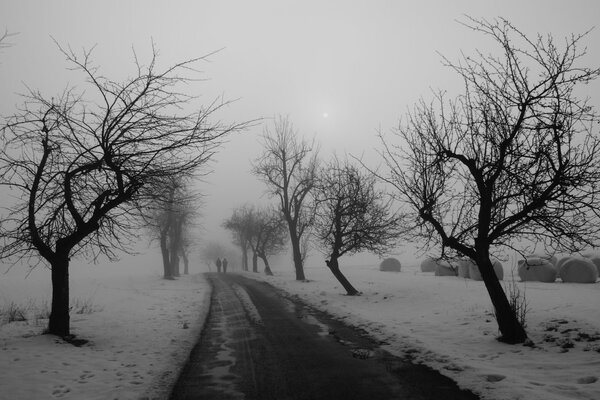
363 63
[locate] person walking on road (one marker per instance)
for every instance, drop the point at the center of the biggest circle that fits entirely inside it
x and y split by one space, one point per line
224 265
218 265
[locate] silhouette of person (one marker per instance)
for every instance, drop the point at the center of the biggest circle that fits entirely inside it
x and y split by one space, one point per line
218 265
224 265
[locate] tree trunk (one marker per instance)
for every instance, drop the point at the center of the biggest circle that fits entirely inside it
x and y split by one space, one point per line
59 323
245 258
335 269
186 262
165 257
511 330
174 263
297 254
254 262
267 267
174 251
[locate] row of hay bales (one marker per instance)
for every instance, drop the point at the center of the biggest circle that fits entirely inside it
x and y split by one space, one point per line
462 267
534 267
572 269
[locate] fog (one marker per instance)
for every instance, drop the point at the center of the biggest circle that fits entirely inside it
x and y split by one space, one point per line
341 71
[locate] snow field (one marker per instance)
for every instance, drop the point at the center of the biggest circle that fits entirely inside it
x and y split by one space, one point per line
140 333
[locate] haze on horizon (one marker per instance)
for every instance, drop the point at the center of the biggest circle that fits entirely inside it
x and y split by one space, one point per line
341 71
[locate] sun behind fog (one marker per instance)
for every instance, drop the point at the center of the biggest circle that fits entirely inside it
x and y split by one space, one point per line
325 115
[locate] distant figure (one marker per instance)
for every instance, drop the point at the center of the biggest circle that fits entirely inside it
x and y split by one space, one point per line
224 265
218 265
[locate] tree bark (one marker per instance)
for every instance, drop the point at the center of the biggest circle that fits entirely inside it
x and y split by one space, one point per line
335 269
59 322
511 330
174 263
297 254
245 258
254 262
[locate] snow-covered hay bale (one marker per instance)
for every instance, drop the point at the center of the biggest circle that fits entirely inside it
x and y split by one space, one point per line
444 268
428 265
539 258
476 275
561 261
593 257
390 264
538 270
464 266
578 270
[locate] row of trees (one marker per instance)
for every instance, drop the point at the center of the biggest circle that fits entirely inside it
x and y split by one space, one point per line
337 205
261 230
510 161
88 169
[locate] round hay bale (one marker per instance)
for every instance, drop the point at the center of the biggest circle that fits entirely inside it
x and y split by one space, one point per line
593 257
578 270
561 261
444 268
428 265
476 275
545 272
390 265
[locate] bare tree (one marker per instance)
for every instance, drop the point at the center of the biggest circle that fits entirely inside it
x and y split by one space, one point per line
172 214
512 159
82 165
268 237
351 216
288 166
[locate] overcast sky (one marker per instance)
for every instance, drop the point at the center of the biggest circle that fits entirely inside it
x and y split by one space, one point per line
340 69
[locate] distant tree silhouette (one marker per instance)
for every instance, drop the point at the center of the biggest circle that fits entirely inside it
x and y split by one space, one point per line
268 235
288 166
83 165
513 158
240 226
169 219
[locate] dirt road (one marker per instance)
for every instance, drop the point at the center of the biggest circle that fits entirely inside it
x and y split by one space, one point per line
259 344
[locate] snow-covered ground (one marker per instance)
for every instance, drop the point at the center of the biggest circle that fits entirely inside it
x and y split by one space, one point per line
141 329
446 323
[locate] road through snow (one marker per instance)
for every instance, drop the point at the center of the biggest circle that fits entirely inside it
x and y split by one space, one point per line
260 344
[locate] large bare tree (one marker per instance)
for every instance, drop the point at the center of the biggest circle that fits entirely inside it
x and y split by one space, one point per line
83 164
288 166
351 215
512 160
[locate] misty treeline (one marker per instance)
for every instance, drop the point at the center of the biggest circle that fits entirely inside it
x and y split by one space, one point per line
93 166
510 162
